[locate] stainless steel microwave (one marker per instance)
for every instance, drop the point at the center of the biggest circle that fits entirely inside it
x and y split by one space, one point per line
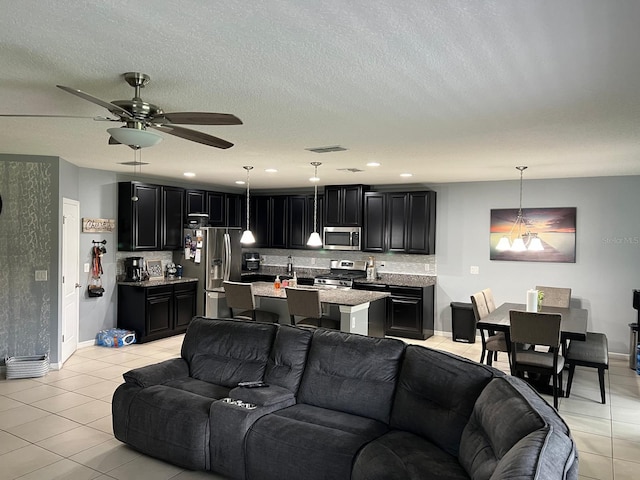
341 238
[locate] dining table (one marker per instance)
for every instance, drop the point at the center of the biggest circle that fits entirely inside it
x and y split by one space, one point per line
573 323
573 327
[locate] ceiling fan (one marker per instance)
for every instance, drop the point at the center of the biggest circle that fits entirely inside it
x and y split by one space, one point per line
139 115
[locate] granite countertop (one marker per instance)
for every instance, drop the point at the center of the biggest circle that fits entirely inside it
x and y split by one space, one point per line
335 296
158 283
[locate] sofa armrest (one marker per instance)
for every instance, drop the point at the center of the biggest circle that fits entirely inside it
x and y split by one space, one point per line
263 396
158 373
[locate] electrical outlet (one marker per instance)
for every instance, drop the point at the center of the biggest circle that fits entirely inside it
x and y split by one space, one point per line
313 260
87 267
474 270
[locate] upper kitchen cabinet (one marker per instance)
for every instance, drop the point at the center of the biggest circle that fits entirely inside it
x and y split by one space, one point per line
225 209
195 201
172 218
301 219
421 224
400 222
374 238
343 205
150 217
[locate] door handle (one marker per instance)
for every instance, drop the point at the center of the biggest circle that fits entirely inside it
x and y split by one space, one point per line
78 285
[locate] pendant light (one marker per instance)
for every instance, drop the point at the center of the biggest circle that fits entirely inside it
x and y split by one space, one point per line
314 238
247 237
523 242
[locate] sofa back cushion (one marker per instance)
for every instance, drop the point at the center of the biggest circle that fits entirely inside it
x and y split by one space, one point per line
436 393
226 351
507 415
288 357
351 373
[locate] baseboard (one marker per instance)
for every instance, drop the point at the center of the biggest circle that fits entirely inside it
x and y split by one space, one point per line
87 343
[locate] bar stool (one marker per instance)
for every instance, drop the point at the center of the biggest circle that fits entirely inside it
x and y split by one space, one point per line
306 303
240 297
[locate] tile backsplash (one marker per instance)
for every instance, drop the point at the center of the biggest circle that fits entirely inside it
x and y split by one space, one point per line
385 262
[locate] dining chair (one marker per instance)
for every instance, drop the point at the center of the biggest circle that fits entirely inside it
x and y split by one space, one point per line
306 303
537 329
240 297
492 342
555 296
488 297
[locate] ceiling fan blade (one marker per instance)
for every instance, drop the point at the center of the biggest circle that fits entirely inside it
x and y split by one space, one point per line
194 136
41 116
199 118
113 141
115 109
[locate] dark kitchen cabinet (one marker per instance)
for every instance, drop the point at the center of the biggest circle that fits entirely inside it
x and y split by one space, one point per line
410 312
172 218
155 312
343 205
301 219
139 216
279 221
259 220
399 222
421 224
195 201
217 209
224 209
236 210
375 214
152 222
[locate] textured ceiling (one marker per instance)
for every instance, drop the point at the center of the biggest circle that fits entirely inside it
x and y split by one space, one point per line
446 90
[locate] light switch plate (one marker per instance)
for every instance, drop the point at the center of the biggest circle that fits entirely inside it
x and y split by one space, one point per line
87 266
41 275
474 270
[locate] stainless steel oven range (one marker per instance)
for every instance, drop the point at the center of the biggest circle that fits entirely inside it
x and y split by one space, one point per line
342 274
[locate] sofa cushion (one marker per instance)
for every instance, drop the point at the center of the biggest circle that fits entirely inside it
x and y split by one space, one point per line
227 351
307 442
401 455
545 453
206 389
170 424
288 357
506 412
158 373
351 373
436 393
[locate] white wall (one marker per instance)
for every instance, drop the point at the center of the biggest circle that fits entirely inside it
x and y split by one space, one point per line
607 264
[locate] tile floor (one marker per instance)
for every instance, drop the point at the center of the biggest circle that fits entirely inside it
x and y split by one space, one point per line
59 426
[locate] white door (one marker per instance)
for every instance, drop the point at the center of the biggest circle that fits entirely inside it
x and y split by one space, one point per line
70 272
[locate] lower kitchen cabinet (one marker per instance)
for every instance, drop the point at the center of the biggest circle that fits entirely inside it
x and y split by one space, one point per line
410 311
157 311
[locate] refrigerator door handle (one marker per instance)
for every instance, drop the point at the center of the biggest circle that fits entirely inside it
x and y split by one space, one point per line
227 257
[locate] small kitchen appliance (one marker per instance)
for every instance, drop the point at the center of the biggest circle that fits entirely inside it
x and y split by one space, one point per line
251 261
342 274
133 268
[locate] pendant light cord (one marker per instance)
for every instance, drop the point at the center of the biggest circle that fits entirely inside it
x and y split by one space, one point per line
247 168
315 200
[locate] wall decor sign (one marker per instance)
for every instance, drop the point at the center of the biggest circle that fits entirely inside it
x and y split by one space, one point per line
555 227
96 225
154 267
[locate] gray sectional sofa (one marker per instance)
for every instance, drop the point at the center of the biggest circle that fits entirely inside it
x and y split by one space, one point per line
338 406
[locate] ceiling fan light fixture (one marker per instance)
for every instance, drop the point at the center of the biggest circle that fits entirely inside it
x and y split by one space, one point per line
135 137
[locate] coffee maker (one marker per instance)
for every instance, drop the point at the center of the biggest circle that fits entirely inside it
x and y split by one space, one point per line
133 268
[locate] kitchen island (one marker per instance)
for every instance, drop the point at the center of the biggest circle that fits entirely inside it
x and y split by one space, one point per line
359 311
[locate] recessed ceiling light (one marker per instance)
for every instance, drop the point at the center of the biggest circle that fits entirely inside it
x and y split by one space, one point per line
240 182
189 174
271 170
406 174
373 164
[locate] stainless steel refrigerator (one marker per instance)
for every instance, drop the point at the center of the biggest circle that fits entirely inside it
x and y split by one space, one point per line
212 255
